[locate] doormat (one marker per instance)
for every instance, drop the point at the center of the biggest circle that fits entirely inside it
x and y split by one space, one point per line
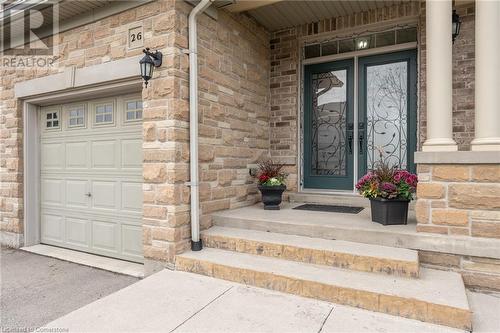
330 208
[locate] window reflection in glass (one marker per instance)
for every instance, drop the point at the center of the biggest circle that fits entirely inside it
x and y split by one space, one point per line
329 123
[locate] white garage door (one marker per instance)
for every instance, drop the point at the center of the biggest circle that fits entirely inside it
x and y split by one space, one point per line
91 176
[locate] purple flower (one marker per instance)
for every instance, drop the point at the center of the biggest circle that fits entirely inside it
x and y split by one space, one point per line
388 187
364 180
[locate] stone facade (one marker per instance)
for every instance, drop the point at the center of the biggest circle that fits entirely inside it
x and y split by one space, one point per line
459 199
463 78
234 117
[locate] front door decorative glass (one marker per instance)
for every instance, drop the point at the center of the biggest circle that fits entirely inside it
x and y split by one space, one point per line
386 114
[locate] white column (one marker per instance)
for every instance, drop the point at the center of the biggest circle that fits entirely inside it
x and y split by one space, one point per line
487 94
439 76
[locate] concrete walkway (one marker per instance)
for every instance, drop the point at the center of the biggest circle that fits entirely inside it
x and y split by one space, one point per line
171 301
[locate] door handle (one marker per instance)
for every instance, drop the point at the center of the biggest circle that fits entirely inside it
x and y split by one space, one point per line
349 142
361 137
350 136
88 194
361 142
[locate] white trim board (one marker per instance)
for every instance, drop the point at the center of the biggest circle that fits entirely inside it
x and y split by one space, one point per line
76 78
87 259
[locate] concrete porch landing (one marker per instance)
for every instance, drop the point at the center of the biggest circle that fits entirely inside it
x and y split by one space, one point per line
351 227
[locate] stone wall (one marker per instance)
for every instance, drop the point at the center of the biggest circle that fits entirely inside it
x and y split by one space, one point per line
459 199
463 78
234 116
234 101
285 75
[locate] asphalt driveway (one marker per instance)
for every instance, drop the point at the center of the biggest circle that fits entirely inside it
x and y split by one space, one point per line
36 289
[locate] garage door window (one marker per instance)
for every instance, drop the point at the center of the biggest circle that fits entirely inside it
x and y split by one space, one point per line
133 110
104 114
76 116
52 120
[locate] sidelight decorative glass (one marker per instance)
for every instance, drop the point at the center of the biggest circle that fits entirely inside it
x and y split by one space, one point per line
329 115
387 114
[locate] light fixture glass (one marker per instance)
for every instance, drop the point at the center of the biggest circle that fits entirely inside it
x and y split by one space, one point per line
362 43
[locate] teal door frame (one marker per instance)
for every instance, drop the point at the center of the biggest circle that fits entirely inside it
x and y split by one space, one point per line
327 181
410 57
332 182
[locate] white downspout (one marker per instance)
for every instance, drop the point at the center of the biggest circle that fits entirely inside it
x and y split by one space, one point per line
193 123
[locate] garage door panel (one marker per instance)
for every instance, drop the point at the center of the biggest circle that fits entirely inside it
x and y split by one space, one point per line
76 191
103 154
104 195
77 231
91 183
104 235
132 240
52 228
131 196
52 155
131 154
77 155
52 192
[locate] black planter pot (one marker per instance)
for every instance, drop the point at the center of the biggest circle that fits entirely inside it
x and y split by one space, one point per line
271 196
389 211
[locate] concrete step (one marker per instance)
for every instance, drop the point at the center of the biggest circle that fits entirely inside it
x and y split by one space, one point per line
437 297
350 255
349 227
333 199
329 199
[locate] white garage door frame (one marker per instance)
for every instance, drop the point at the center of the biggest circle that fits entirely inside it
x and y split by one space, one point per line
77 84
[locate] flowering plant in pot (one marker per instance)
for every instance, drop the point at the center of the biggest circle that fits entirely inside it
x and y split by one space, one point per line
390 190
271 183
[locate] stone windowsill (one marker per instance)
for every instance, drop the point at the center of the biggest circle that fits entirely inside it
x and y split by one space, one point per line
458 157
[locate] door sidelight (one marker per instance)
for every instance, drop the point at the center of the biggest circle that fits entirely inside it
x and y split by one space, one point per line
350 136
361 136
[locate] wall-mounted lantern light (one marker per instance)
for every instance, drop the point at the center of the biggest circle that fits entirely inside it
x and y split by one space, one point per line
148 62
455 25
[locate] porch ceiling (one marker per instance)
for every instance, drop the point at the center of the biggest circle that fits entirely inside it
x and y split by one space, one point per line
287 13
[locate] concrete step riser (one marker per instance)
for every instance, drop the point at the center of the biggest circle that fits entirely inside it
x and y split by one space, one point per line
394 305
313 256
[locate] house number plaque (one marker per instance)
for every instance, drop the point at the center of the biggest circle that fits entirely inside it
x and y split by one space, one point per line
135 37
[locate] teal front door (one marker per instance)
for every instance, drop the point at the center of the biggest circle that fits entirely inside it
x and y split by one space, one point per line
328 130
339 147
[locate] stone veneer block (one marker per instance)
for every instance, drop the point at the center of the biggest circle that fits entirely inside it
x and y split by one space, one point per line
474 196
430 191
450 217
452 173
486 173
437 297
355 256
